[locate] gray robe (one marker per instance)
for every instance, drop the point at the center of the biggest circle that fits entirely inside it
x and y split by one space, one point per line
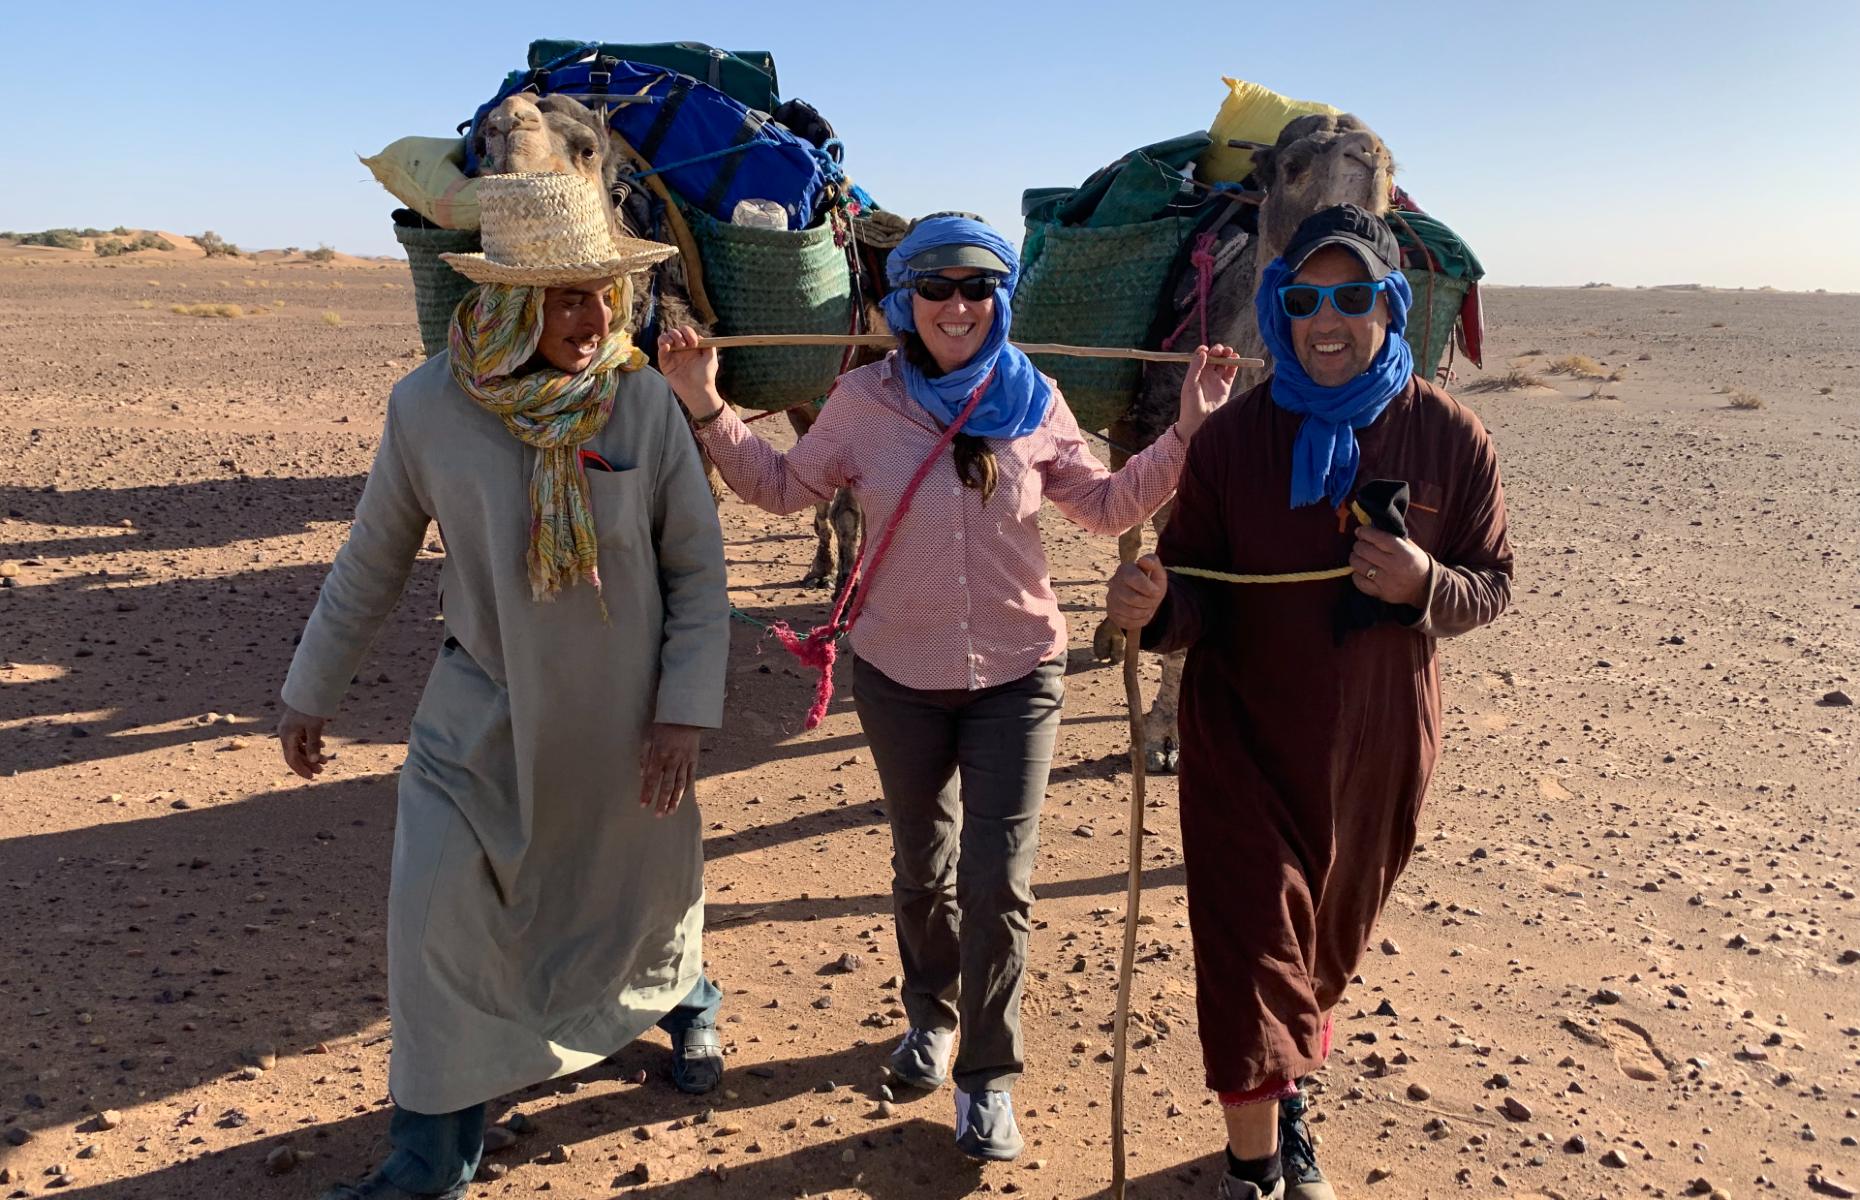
538 918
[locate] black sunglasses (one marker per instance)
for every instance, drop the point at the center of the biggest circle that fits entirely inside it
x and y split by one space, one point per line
938 288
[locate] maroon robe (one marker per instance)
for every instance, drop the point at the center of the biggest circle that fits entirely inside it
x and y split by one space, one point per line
1304 760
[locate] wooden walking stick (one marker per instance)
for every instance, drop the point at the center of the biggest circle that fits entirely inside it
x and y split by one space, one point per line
886 339
1133 697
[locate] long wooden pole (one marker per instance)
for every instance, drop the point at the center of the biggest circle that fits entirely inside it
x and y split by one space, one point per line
1126 972
886 339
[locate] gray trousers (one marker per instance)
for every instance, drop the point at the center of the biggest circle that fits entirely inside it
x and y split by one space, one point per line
964 775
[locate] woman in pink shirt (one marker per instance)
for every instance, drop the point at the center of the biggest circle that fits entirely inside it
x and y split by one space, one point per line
959 651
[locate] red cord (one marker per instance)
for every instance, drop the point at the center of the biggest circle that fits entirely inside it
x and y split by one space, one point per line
820 648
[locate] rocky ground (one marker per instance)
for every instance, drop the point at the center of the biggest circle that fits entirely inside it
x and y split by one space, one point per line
1623 962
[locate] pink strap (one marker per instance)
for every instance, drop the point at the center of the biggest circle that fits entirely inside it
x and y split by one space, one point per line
820 648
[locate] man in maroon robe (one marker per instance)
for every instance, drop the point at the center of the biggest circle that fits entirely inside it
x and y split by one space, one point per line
1311 710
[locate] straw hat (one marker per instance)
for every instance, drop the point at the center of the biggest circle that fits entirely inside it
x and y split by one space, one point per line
547 230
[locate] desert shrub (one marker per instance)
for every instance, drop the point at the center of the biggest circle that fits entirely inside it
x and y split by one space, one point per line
1579 365
232 311
62 239
1745 400
121 231
323 253
216 246
331 317
111 247
1513 380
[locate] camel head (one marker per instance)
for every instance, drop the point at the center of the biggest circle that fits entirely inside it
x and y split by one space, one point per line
548 134
1319 160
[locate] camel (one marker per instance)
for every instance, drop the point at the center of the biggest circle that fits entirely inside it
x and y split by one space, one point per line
1317 161
560 134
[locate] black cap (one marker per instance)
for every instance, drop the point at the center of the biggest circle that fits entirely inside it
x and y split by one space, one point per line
1360 232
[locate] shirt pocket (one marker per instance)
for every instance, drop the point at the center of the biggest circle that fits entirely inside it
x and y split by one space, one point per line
1425 501
621 502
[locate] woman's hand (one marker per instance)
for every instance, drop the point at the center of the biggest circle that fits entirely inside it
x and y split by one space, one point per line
667 766
1204 388
300 736
691 371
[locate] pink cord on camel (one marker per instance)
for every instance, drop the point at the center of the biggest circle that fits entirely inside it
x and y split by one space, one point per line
820 648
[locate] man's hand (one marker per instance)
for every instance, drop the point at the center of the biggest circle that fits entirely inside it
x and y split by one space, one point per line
691 370
1136 592
667 766
1389 568
300 736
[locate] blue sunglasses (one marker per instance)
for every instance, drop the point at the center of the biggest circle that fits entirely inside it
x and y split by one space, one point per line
1300 301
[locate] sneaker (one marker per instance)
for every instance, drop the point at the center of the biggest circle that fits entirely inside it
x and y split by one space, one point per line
1297 1154
697 1059
1235 1188
377 1187
922 1058
985 1126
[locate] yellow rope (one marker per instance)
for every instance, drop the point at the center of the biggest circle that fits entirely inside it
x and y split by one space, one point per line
1293 577
1290 577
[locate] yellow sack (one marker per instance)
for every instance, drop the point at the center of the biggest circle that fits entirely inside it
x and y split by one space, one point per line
428 176
1250 113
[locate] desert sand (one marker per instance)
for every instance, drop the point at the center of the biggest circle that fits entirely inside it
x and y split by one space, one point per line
1623 962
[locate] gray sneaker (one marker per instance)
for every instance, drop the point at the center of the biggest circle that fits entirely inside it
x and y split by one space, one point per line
922 1058
1235 1188
985 1126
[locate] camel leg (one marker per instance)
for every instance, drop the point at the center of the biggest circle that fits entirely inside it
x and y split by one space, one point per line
801 420
711 478
822 568
1162 740
848 522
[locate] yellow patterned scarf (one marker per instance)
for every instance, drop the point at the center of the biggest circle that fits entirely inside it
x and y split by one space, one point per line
495 331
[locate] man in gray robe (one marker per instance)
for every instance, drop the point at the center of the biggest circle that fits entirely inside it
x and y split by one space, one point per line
545 904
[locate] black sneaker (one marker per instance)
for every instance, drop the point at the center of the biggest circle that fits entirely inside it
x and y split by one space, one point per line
1297 1154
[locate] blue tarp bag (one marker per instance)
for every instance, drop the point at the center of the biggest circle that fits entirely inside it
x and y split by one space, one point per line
711 150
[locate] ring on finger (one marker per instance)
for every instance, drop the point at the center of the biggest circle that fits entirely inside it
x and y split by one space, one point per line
1370 574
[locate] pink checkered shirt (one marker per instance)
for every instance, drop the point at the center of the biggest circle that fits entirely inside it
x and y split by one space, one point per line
962 599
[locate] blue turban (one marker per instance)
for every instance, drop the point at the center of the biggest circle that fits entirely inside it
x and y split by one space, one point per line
1325 456
1018 397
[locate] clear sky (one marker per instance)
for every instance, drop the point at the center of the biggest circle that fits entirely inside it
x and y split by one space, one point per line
1628 141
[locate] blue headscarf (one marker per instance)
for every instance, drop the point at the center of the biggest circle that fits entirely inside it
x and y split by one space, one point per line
1325 456
1017 399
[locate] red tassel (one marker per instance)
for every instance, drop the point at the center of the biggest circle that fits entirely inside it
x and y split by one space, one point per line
820 648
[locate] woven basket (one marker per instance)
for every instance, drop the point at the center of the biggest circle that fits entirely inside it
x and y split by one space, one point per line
437 288
774 281
1095 287
1430 326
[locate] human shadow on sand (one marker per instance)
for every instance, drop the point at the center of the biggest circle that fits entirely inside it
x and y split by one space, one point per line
174 516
